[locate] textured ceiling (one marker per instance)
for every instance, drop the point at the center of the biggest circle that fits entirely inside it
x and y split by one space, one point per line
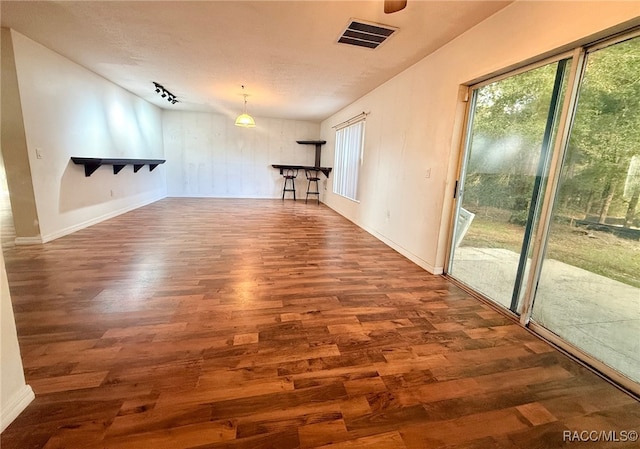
284 52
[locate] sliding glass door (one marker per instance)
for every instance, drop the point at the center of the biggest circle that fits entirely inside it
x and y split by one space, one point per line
589 288
511 127
547 219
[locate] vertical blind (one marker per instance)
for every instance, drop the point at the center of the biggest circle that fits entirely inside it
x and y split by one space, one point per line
348 156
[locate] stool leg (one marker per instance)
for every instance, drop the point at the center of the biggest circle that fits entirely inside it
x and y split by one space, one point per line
312 192
291 189
317 192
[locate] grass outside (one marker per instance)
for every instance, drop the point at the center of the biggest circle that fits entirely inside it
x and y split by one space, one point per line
594 251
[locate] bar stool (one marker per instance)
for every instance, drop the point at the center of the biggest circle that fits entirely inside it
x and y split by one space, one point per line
312 176
289 178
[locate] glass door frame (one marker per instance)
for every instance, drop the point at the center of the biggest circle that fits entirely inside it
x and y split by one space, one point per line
578 58
524 313
567 116
542 236
555 167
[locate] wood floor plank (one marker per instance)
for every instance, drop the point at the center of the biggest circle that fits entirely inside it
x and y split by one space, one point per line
69 382
173 437
324 433
379 441
223 323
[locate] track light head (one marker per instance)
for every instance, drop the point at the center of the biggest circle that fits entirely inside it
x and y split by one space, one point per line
164 93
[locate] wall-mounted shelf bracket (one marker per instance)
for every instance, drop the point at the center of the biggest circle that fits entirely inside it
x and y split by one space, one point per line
91 164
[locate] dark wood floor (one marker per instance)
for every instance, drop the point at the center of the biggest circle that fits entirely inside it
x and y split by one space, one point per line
202 323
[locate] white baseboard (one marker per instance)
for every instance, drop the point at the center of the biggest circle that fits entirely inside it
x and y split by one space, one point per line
16 405
206 195
405 252
301 197
85 224
19 241
390 243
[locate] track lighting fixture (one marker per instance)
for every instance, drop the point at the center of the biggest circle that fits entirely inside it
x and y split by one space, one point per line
164 93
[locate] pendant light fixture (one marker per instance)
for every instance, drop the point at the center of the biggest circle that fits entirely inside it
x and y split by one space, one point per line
244 119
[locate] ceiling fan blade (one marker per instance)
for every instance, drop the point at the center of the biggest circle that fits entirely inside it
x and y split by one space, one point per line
391 6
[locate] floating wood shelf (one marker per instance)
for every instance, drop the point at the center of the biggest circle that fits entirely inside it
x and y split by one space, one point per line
91 164
282 167
317 143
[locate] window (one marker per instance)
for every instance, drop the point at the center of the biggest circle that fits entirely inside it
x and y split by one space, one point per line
348 157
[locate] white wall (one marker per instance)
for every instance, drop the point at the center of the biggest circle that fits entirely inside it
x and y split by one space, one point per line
208 156
70 111
413 132
15 394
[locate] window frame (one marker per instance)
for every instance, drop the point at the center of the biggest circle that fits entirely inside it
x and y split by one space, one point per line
348 158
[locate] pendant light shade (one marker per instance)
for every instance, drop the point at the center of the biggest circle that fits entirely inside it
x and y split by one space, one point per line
244 119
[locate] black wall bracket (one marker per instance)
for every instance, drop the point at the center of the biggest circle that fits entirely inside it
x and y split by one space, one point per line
91 164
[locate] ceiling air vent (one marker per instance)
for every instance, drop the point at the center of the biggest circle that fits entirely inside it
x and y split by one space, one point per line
366 34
